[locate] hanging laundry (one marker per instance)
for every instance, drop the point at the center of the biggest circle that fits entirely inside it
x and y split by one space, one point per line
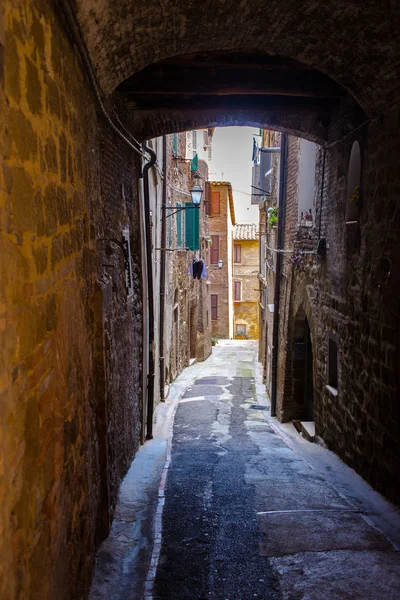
198 269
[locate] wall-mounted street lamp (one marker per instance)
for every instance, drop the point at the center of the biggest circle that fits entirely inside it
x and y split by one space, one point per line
196 193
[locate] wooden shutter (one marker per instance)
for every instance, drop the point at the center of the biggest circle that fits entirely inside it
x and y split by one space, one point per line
192 227
214 249
215 203
237 291
175 144
237 253
214 307
207 202
179 227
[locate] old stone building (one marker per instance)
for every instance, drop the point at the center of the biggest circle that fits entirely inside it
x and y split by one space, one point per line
184 314
245 282
82 85
221 213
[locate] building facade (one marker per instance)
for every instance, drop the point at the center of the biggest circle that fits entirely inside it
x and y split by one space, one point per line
245 282
221 222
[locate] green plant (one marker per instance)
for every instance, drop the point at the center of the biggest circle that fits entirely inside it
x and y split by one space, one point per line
214 340
273 216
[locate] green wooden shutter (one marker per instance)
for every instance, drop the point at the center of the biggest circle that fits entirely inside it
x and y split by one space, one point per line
192 227
179 227
194 163
170 232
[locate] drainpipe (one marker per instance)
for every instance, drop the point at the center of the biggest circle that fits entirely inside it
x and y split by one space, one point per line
162 268
146 202
280 241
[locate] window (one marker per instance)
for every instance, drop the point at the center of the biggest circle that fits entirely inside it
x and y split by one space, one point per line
353 184
214 307
240 329
179 227
175 145
170 232
214 258
237 253
192 227
207 201
194 142
215 203
306 183
237 291
205 138
332 364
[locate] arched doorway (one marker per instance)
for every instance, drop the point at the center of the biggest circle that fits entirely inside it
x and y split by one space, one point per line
302 369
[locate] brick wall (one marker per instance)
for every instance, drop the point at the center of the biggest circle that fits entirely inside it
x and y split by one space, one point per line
69 414
220 278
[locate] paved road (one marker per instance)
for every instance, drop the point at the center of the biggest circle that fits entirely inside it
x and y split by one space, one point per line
249 509
246 517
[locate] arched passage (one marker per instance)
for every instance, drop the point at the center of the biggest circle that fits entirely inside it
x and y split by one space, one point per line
353 43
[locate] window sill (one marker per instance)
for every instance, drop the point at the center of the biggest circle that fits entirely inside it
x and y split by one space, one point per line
333 391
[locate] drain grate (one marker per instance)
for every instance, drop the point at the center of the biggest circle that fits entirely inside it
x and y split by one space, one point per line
258 407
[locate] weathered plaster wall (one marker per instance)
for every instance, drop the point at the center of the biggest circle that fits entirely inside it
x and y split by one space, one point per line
246 272
221 279
69 393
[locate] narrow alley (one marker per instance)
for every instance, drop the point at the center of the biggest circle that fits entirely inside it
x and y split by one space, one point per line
244 507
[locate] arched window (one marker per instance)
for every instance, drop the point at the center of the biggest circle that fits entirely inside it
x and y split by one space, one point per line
353 184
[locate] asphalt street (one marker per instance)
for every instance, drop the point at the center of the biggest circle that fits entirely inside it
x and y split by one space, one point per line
228 504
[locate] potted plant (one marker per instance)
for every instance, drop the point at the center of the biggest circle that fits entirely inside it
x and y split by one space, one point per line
214 340
273 216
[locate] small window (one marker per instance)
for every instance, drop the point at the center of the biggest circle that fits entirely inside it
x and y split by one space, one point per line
170 232
214 307
194 141
237 291
215 203
175 145
353 184
237 253
179 227
332 364
214 255
240 329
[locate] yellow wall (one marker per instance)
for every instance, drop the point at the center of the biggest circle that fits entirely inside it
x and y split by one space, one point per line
246 311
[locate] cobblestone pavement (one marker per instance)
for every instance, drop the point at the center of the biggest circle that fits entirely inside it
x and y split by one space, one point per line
245 507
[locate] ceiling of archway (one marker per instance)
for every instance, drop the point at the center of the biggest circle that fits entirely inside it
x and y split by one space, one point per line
354 42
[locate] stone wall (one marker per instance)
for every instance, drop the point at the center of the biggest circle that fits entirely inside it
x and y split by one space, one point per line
187 306
352 298
69 408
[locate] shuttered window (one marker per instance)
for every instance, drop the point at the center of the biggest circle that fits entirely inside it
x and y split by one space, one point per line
214 258
175 144
170 232
207 202
237 291
215 203
179 227
214 307
192 227
237 253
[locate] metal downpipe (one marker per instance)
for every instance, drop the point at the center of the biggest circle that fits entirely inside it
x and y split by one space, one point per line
162 269
281 231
